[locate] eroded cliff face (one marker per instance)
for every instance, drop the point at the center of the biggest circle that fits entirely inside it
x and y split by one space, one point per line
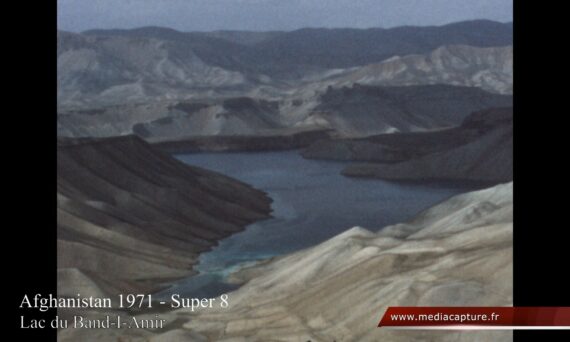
130 217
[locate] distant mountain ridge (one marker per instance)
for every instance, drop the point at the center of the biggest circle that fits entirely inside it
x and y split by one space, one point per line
109 67
327 48
342 48
110 81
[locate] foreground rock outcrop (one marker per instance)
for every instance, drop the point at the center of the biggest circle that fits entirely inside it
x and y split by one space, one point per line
458 253
130 217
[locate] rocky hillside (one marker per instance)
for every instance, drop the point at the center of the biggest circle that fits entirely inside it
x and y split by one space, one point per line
367 110
131 218
456 253
480 150
488 68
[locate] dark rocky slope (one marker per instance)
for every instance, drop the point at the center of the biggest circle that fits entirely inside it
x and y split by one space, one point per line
130 217
479 150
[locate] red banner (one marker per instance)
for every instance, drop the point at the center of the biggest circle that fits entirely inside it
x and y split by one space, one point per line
479 318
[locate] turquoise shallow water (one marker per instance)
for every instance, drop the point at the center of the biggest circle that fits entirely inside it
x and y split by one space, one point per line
312 202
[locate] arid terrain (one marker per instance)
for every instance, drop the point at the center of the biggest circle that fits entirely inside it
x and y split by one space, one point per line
407 106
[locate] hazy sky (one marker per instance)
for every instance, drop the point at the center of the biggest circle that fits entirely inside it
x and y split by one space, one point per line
262 15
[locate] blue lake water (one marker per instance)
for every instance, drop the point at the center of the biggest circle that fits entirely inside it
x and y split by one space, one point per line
312 202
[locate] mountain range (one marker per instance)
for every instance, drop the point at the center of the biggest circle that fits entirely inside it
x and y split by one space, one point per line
269 52
102 67
161 84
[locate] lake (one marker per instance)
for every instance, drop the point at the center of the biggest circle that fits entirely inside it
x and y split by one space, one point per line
312 202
